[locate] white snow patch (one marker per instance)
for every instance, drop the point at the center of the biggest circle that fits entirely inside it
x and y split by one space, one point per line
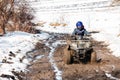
111 77
18 43
58 73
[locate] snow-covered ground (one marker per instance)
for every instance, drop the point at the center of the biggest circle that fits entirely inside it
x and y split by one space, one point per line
13 47
95 18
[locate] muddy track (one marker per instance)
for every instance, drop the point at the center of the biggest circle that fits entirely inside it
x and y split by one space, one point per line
91 71
42 68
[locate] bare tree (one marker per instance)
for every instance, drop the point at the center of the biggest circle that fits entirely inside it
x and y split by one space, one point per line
15 14
6 7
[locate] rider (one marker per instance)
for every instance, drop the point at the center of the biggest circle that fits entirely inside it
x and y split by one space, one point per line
79 30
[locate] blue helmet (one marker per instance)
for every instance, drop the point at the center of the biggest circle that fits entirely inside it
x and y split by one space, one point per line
79 23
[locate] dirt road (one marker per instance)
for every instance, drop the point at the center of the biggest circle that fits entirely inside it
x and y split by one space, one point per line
50 65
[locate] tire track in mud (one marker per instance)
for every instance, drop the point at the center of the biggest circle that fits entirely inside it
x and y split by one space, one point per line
58 73
40 68
44 68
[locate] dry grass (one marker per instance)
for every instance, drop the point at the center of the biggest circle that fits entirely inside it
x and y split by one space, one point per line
1 30
41 23
29 29
118 35
116 2
55 24
64 24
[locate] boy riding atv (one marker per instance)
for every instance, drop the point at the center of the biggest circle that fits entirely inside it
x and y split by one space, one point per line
80 48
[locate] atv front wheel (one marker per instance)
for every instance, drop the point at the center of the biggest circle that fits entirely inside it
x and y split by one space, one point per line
68 58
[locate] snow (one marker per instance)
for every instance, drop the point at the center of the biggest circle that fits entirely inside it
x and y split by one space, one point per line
111 77
58 73
38 57
19 43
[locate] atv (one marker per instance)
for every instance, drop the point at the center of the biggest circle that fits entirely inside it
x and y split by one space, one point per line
79 50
